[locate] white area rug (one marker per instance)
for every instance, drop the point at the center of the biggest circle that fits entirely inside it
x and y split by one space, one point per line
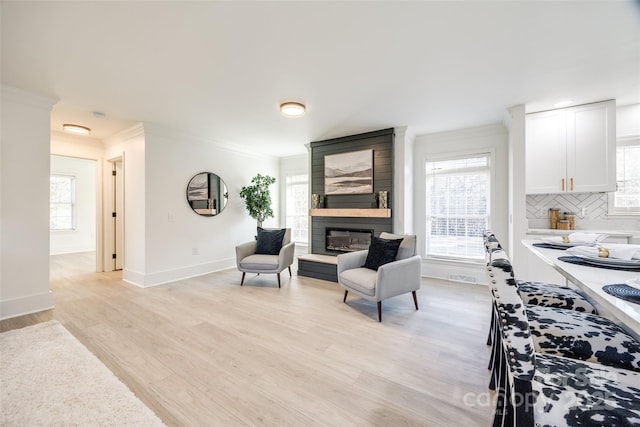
48 378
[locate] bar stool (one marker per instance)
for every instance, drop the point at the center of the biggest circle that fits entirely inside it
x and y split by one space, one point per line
545 294
540 389
573 334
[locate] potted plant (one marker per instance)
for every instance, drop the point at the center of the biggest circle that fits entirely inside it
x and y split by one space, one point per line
257 197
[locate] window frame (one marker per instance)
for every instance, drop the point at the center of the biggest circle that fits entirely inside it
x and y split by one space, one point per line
288 175
72 179
488 152
612 210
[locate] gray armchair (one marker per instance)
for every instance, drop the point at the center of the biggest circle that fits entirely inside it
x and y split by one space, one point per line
395 278
248 261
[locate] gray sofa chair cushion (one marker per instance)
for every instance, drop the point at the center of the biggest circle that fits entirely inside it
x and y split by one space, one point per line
360 280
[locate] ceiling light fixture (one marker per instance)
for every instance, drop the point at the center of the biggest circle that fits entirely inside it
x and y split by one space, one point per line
76 129
292 109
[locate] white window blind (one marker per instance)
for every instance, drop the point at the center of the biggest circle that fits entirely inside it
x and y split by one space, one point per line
458 195
62 190
297 207
626 200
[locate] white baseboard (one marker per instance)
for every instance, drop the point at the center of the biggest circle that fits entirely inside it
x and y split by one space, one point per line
454 271
161 277
26 305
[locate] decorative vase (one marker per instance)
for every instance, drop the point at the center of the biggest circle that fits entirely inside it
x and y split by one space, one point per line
315 199
382 199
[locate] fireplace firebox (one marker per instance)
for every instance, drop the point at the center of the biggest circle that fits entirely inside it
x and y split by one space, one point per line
347 239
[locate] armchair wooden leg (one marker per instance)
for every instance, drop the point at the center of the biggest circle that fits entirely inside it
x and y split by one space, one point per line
415 299
242 281
290 271
379 311
278 274
345 295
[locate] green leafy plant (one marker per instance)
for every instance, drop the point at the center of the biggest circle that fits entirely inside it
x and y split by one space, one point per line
257 198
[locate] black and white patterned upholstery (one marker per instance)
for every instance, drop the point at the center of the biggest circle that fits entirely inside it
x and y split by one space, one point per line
546 390
578 335
582 336
552 295
541 293
575 393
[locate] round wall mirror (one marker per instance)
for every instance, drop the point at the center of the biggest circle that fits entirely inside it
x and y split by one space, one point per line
207 194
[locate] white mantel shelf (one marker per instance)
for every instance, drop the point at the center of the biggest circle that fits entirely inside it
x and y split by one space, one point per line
352 213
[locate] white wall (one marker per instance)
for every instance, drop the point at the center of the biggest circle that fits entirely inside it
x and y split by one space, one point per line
83 237
517 219
24 203
291 165
403 181
178 243
491 138
128 145
628 121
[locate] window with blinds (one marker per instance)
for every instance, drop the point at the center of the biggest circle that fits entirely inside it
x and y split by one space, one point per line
626 199
458 206
297 207
62 194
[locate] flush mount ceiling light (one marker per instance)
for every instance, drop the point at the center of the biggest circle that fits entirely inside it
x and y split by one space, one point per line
76 129
292 109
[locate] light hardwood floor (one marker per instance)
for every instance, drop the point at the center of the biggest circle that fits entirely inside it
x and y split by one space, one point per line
205 351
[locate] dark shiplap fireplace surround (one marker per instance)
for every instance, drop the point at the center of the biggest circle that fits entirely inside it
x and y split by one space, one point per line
360 210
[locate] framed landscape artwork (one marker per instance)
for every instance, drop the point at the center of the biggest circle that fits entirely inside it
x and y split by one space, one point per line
349 173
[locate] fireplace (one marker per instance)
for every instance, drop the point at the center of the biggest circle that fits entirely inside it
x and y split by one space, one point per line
347 239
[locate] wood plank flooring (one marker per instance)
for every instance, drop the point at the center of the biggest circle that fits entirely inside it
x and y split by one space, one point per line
205 351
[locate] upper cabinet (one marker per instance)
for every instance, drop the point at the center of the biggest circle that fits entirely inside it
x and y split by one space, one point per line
571 150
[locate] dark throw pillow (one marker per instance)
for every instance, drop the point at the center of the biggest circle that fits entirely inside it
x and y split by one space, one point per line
269 241
381 251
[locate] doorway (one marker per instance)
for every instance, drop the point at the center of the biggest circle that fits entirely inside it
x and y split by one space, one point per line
73 212
114 220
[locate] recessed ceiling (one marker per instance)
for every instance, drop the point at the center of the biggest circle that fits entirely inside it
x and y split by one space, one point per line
221 69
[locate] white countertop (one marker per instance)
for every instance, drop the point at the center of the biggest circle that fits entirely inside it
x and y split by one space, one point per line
554 232
591 280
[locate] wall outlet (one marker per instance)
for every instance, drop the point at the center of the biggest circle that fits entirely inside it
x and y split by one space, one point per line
583 212
194 251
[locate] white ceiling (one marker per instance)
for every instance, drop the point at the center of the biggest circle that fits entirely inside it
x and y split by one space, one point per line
220 69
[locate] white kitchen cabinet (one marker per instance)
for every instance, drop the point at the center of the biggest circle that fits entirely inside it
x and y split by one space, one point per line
571 150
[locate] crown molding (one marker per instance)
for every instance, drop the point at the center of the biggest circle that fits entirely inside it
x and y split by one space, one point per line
124 135
185 136
20 96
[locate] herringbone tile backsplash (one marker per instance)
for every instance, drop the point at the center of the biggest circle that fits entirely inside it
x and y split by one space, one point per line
595 204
